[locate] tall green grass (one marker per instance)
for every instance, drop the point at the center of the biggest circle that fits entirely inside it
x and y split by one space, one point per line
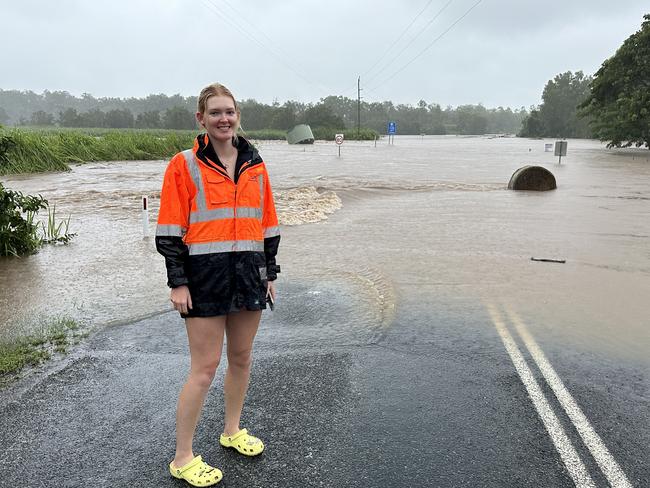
327 134
266 134
32 151
320 134
40 150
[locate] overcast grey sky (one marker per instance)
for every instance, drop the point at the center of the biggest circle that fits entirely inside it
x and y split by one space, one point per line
494 52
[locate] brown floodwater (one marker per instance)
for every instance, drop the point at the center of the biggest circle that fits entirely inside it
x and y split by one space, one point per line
421 221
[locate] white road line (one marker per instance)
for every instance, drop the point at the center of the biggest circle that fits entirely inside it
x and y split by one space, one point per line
563 445
605 460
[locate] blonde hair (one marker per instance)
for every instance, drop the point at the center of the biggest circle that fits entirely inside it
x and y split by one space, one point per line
218 90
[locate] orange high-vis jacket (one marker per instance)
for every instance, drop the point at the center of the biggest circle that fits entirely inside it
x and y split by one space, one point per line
210 213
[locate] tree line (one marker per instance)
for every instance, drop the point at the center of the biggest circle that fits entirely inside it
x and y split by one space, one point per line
59 108
557 115
613 105
171 118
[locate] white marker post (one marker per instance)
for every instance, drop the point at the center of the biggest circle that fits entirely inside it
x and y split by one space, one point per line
560 150
338 138
145 216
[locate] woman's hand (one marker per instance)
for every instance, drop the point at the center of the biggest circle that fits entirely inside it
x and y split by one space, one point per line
270 289
181 299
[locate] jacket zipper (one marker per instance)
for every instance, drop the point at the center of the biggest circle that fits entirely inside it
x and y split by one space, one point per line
235 208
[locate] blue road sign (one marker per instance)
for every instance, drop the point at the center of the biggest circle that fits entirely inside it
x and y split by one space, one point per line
392 128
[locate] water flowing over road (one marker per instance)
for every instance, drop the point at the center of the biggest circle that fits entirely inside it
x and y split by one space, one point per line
414 341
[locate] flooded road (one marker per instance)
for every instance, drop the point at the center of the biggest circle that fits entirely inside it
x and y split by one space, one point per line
409 311
425 219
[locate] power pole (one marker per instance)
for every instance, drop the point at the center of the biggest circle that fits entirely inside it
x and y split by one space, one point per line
358 107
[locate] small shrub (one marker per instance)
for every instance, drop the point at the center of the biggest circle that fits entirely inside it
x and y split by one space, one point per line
18 229
20 232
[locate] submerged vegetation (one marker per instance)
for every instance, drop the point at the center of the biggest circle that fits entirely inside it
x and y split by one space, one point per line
20 232
54 337
56 232
18 226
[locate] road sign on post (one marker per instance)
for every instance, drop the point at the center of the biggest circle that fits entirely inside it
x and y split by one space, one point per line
560 149
392 130
338 138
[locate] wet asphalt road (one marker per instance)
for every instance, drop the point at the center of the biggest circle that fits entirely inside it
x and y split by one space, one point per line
432 401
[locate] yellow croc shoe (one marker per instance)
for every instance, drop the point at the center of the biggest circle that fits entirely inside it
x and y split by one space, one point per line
197 473
242 442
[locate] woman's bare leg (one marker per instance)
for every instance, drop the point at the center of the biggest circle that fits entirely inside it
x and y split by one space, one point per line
241 328
205 335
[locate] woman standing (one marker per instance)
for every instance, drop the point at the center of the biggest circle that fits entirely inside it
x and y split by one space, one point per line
218 231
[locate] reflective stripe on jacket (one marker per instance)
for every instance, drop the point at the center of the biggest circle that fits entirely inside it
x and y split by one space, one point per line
203 211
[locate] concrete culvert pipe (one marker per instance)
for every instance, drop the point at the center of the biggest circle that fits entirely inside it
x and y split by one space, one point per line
533 178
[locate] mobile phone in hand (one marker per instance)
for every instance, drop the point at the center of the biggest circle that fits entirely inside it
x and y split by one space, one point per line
270 301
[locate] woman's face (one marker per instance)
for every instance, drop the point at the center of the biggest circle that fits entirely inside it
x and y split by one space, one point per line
220 118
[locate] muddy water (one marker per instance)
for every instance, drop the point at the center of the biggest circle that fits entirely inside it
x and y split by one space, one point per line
399 227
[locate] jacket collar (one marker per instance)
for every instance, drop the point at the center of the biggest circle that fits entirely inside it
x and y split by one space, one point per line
247 151
247 156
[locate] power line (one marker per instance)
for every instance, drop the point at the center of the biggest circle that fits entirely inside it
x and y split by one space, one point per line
412 40
353 88
427 47
399 38
246 32
244 17
358 106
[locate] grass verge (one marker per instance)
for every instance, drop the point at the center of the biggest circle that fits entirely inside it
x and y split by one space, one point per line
53 338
